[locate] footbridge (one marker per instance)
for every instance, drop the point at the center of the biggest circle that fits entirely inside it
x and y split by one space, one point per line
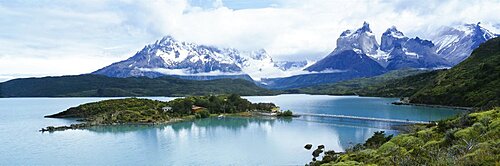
363 118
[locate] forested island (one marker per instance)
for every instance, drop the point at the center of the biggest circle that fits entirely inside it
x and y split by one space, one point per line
147 111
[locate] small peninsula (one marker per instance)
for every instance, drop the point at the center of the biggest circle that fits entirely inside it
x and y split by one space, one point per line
147 111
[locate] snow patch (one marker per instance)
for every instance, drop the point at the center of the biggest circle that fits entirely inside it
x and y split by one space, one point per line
358 51
446 41
380 55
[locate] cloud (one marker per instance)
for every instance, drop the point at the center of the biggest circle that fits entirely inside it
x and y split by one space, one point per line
309 28
62 34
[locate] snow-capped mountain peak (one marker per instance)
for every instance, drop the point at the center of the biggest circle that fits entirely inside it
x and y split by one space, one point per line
361 40
456 43
394 32
392 37
365 28
355 49
260 54
168 56
396 51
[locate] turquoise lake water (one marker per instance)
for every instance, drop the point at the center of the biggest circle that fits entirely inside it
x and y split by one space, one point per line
212 141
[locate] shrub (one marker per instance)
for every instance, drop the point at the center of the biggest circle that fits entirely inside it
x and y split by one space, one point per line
377 139
286 113
204 114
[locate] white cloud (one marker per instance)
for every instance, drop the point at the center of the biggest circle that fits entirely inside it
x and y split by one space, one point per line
51 66
61 37
307 28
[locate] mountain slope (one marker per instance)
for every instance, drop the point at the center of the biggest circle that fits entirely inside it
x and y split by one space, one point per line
335 67
474 82
401 87
103 86
171 54
455 44
348 61
290 65
415 53
361 40
305 80
171 57
403 52
365 86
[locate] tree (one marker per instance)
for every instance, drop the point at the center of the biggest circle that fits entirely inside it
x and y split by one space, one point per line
377 140
286 113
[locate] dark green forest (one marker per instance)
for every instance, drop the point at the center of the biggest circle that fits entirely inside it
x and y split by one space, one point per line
102 86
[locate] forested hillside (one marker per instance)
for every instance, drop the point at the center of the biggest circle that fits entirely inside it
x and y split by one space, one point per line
103 86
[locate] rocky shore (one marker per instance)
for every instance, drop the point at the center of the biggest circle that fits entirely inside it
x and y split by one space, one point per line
62 128
88 125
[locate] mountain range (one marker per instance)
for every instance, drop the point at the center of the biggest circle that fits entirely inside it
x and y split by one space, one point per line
357 54
471 83
192 61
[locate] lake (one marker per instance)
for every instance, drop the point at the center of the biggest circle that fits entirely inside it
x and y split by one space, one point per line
211 141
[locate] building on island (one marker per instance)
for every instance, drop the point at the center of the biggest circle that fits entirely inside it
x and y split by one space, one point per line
167 109
196 109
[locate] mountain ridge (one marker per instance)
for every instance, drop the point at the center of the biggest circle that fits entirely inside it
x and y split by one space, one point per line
455 43
171 57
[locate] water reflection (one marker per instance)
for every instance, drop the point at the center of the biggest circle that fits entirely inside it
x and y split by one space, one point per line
229 123
287 131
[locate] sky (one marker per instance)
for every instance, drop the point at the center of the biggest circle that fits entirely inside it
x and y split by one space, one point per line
60 37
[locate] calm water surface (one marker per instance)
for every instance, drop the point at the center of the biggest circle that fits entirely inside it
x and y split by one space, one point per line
228 141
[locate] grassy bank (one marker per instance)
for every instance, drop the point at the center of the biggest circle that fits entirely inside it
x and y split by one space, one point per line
470 139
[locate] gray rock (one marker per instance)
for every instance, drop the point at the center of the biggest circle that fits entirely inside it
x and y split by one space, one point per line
308 146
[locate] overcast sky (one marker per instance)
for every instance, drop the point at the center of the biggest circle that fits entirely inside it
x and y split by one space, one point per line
61 37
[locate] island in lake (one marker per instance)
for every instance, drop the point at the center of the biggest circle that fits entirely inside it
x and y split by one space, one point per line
147 111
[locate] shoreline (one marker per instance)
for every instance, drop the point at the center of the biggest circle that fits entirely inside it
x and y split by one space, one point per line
433 105
85 125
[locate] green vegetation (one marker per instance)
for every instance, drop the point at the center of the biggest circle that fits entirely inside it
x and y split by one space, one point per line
130 110
471 139
286 113
102 86
135 110
360 86
202 114
402 87
473 83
